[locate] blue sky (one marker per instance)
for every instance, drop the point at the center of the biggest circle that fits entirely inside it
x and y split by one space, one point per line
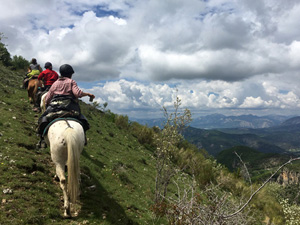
219 56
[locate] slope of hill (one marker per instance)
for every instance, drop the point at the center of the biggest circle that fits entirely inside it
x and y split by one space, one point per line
259 164
117 172
295 121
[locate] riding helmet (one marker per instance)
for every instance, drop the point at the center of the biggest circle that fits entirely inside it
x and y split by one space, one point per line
66 70
33 61
48 65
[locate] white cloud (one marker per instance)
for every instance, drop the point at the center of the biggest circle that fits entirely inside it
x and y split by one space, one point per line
251 102
198 96
223 54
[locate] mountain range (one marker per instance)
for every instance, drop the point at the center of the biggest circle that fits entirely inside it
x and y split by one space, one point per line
216 121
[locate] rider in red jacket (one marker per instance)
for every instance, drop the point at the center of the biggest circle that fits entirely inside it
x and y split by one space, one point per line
49 76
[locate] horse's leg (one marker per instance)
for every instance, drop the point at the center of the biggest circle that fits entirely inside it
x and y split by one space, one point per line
60 172
29 91
34 92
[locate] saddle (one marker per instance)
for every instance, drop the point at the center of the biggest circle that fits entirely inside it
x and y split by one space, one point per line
61 106
27 79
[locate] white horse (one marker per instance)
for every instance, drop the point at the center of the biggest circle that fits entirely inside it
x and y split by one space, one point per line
43 105
66 141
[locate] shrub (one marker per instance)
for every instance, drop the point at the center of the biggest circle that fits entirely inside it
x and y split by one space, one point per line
144 134
194 163
122 122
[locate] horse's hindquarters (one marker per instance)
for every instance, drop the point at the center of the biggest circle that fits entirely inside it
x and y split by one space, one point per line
57 136
66 141
33 85
57 130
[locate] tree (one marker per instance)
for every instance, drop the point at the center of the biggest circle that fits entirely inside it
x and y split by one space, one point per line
4 54
18 62
167 141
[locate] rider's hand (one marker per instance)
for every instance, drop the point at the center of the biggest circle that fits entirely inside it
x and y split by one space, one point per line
91 97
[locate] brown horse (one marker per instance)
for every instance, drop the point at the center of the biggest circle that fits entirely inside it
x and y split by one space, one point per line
32 89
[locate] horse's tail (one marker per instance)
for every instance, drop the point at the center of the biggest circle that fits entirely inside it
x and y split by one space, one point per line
43 102
73 164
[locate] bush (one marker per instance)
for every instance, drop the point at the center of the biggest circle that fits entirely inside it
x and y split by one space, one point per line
144 134
194 163
122 122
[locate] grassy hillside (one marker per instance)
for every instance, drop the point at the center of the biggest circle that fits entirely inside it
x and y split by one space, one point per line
260 165
117 172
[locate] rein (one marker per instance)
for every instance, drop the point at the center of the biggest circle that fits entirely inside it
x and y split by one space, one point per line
69 126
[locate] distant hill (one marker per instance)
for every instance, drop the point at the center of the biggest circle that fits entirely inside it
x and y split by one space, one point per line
243 121
217 121
214 141
291 122
258 164
150 122
283 138
250 156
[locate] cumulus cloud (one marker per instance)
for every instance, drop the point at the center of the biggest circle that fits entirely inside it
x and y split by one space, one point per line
146 100
221 54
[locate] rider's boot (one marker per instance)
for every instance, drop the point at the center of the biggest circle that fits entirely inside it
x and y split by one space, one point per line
41 143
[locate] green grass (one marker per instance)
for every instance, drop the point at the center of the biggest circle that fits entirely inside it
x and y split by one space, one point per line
117 180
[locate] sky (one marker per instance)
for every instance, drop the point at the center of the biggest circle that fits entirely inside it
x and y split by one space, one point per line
218 56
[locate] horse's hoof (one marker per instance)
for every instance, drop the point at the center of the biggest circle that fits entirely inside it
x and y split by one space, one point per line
36 109
66 216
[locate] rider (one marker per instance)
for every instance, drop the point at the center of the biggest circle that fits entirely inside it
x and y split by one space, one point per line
49 76
34 70
66 86
62 100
